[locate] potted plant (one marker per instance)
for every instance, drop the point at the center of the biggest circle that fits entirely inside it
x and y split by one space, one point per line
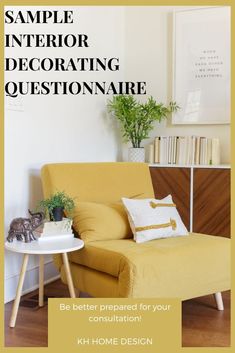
56 205
137 120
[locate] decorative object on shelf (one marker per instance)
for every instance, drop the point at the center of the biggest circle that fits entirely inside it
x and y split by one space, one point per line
22 228
137 119
201 83
56 205
136 154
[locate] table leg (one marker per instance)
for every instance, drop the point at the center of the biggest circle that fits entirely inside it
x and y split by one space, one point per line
219 301
19 291
68 275
41 280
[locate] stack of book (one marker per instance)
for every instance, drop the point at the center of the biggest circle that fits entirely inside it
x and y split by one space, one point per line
189 150
55 230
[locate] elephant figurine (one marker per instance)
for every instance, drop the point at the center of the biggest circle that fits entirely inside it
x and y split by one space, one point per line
22 228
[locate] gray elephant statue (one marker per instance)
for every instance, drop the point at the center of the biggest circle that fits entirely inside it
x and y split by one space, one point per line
22 228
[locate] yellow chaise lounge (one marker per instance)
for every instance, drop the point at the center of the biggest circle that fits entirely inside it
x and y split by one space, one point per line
183 267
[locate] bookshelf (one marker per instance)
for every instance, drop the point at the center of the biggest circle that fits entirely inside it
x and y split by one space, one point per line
185 150
201 192
220 166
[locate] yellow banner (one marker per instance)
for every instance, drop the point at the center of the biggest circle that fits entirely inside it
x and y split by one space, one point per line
115 325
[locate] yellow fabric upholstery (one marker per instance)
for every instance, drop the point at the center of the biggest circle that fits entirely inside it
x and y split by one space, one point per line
95 221
98 182
183 267
97 284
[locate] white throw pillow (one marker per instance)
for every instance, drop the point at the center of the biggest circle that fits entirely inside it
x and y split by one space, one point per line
154 219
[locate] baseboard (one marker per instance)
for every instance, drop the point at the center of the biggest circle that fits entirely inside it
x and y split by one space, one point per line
30 282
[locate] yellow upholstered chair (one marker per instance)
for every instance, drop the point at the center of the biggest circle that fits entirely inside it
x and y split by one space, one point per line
113 265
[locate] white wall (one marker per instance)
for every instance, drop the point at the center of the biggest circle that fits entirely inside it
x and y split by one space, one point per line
57 128
149 57
76 128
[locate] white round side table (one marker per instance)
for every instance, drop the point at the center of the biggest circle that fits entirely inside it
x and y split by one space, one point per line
42 248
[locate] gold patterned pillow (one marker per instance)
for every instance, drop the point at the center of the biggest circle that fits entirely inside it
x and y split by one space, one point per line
154 219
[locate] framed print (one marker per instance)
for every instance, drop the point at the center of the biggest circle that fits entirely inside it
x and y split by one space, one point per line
201 66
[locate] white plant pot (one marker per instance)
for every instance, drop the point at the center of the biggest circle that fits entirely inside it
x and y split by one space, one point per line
136 154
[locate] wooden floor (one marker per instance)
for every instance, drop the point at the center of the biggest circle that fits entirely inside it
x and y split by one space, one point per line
202 324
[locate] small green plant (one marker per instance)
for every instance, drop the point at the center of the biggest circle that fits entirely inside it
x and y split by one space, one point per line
57 200
137 119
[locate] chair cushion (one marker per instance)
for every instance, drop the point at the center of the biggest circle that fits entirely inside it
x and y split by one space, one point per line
95 221
183 267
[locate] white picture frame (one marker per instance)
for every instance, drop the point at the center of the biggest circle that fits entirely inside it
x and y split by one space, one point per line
201 66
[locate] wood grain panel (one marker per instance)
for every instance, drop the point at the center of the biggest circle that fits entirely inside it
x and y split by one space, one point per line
174 181
205 326
211 201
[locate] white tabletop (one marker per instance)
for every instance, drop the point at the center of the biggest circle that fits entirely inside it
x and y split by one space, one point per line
45 247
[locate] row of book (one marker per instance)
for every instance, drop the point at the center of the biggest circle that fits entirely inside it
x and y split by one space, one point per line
189 150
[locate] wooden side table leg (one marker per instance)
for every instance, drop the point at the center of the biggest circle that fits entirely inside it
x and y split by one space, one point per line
19 291
68 275
41 280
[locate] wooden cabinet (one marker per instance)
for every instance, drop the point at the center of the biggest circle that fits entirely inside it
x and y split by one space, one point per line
174 181
211 201
202 195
